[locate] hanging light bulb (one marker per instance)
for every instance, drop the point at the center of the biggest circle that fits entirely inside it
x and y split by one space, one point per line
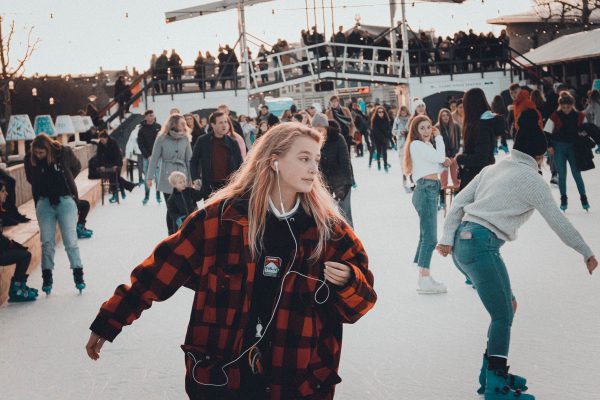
51 15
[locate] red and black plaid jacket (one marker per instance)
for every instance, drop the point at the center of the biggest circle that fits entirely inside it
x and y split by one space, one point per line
210 254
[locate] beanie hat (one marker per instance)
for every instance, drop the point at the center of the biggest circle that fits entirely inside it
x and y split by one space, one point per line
418 102
320 119
530 139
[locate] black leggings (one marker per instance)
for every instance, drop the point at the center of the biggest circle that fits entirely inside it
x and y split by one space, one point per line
382 151
83 209
171 225
21 258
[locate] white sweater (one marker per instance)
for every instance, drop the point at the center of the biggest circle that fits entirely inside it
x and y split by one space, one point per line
426 159
503 196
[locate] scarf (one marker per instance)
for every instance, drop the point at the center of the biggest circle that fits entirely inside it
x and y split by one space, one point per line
338 115
177 135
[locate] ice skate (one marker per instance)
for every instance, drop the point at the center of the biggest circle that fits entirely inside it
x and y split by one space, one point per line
564 203
428 285
78 278
498 388
515 382
47 281
83 233
584 203
19 292
114 198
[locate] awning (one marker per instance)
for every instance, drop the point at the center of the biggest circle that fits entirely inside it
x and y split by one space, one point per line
577 46
210 8
224 5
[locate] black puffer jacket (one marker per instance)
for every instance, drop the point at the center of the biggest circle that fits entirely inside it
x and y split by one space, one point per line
109 154
182 204
381 130
146 137
335 164
67 163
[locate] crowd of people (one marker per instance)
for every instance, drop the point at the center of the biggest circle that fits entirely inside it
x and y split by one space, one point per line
461 52
277 206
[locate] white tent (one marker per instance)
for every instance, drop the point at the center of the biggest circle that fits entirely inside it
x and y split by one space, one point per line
581 45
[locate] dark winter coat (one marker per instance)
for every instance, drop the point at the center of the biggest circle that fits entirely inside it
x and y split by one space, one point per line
479 152
109 155
162 64
335 165
146 138
201 162
450 138
584 156
182 204
381 130
68 165
210 255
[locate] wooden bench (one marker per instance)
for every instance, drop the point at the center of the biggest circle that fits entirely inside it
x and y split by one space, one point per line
28 234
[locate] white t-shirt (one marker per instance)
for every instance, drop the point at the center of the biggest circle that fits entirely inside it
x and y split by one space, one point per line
426 159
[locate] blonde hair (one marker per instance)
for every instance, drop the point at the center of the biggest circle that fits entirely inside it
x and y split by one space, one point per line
172 122
413 134
175 176
257 178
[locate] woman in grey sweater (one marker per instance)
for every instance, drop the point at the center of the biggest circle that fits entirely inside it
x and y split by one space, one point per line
483 216
172 151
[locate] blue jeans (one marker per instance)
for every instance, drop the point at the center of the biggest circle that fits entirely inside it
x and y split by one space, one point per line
145 165
425 199
346 208
476 253
564 152
65 214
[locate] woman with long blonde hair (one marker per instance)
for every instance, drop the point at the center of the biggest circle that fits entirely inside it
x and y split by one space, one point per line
425 162
268 254
173 152
451 134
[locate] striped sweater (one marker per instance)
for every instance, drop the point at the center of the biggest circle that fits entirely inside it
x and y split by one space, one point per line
502 197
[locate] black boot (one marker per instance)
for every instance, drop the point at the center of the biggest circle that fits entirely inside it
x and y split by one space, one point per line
584 202
78 278
564 202
47 281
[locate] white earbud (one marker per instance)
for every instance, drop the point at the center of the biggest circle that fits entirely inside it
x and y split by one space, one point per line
277 166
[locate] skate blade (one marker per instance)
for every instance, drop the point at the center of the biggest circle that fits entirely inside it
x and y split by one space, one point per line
419 291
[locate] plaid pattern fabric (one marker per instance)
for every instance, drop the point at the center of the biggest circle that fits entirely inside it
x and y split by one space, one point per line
210 254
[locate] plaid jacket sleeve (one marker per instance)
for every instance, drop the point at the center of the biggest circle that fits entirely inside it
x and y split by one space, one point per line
173 262
358 296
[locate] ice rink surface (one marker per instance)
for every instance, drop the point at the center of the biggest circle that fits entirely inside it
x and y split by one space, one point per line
408 347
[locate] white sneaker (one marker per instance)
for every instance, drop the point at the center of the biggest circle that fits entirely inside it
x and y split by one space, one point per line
428 285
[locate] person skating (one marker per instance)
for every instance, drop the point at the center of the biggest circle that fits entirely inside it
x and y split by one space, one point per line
244 250
172 152
451 134
147 133
51 170
12 252
425 162
400 131
483 216
481 128
110 162
182 201
381 133
563 129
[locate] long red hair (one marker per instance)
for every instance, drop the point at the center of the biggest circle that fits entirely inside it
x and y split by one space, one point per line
413 134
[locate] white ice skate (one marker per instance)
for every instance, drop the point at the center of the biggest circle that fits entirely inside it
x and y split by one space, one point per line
428 285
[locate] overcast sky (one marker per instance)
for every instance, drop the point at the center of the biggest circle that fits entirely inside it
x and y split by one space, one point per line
81 36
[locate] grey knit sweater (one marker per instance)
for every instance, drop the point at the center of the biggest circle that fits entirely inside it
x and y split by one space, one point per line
503 196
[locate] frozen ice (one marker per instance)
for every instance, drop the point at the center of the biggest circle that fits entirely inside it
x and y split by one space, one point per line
408 347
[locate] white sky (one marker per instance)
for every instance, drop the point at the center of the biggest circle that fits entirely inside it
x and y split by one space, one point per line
84 35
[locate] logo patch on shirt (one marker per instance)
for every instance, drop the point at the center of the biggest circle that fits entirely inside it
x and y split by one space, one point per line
272 266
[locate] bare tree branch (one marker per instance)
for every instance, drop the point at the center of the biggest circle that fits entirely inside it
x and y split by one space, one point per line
9 41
